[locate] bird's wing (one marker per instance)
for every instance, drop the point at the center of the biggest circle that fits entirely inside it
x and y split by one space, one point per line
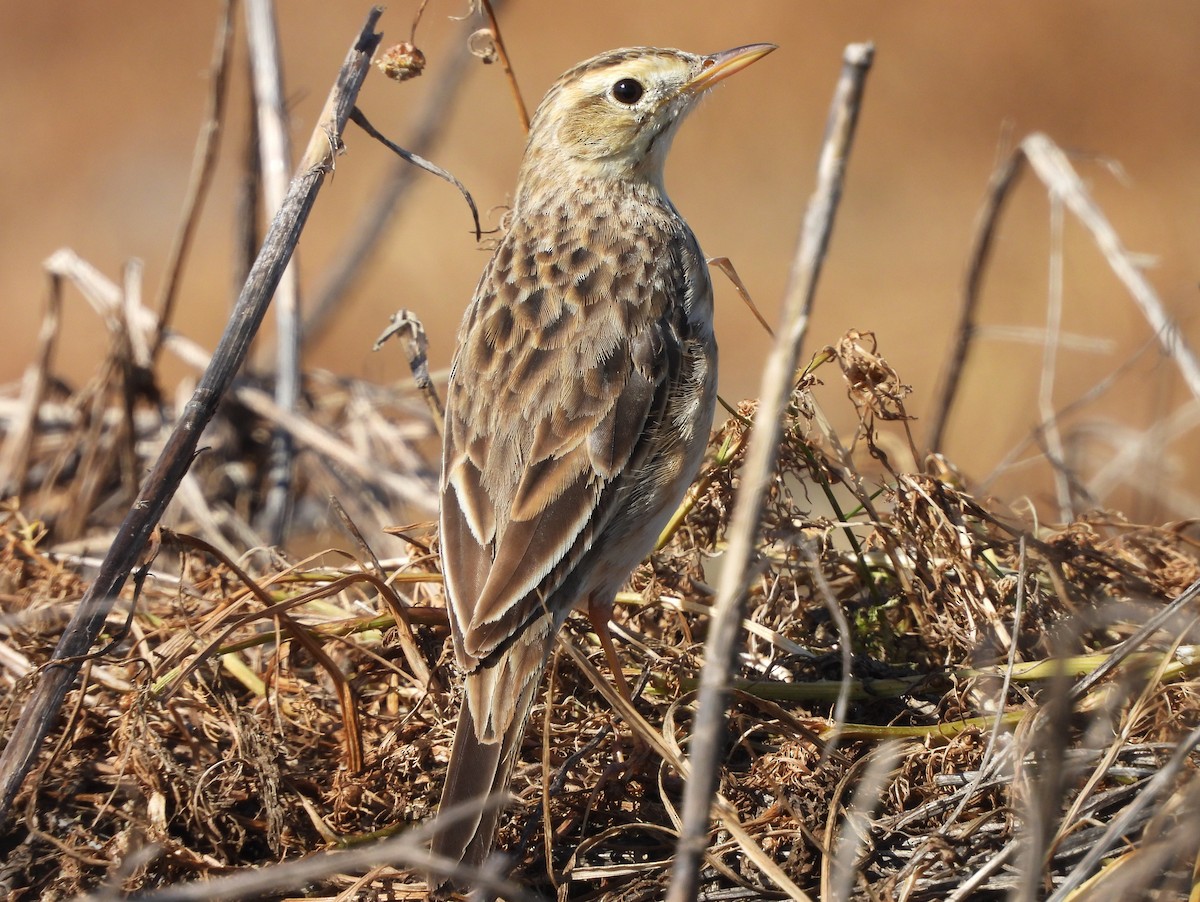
562 371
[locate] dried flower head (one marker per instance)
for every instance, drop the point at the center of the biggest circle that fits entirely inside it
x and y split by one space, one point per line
402 61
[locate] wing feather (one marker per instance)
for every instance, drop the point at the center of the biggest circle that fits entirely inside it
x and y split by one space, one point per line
556 385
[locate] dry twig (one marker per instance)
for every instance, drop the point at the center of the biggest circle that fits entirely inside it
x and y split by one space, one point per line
707 745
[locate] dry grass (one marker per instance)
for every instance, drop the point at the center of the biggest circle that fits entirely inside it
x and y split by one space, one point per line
205 737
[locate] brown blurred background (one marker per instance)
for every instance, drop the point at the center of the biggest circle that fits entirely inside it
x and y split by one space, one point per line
104 102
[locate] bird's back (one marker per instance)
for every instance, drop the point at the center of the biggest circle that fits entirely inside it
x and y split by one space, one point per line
573 408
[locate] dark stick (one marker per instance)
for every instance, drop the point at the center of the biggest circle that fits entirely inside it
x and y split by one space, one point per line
39 712
985 231
204 165
359 118
248 207
707 745
1052 166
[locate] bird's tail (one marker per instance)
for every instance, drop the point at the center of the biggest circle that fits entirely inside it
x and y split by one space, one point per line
478 772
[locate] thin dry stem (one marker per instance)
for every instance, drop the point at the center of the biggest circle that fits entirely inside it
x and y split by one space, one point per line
275 162
1052 166
204 165
707 746
502 54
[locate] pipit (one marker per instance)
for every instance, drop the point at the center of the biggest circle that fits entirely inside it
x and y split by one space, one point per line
580 400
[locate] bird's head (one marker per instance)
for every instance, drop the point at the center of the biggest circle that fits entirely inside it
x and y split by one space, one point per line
613 116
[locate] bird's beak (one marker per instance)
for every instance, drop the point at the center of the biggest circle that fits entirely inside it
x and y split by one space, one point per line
717 66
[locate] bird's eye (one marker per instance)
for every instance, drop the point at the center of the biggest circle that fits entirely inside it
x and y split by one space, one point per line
628 90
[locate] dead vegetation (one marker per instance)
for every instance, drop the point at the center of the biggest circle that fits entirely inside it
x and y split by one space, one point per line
937 697
244 713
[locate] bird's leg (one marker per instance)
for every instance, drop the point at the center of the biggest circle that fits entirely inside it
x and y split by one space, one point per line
599 613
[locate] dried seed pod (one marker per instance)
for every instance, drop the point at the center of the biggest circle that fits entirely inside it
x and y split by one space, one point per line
402 61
